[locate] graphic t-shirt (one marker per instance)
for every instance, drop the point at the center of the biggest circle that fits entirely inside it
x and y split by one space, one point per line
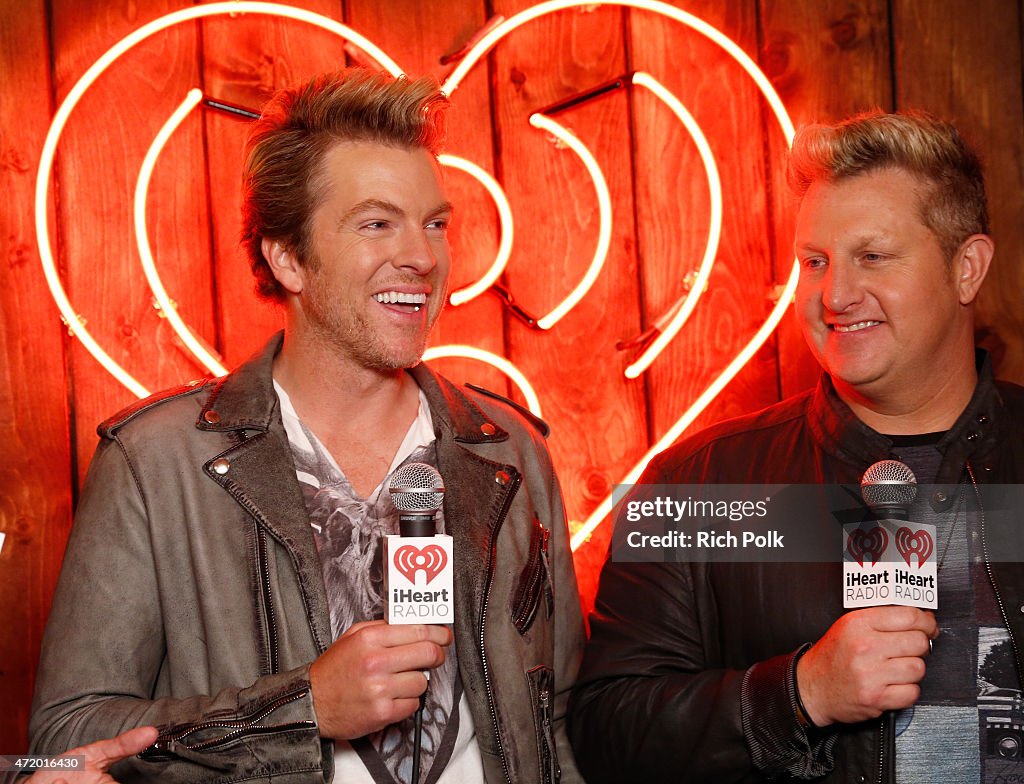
349 533
967 724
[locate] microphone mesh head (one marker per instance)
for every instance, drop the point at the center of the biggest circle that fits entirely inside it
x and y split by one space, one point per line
888 485
417 487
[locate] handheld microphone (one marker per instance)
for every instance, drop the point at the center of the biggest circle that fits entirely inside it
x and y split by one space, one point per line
889 560
417 491
418 557
889 486
418 563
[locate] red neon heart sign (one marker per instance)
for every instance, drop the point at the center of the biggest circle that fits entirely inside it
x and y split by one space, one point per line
474 55
410 559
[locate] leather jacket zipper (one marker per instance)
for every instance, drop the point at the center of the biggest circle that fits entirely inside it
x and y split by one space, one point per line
268 606
988 569
536 565
509 495
554 769
163 747
881 750
550 593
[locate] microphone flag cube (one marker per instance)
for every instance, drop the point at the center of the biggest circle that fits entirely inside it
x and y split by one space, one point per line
889 562
418 579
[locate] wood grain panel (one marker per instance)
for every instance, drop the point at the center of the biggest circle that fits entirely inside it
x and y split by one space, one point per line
101 151
964 65
35 463
827 60
597 416
673 212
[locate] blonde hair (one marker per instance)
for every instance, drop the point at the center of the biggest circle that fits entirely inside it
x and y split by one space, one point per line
282 181
952 202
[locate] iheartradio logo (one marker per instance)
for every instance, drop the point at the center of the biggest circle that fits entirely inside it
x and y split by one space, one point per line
879 565
432 601
430 559
870 542
910 543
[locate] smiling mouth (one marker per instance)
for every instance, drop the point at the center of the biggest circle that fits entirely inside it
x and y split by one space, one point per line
854 327
413 301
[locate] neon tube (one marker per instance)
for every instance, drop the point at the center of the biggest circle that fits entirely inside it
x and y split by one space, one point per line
491 38
605 507
75 325
487 41
502 364
641 363
604 205
170 310
464 295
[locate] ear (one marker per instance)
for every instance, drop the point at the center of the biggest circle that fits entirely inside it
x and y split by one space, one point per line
971 265
284 265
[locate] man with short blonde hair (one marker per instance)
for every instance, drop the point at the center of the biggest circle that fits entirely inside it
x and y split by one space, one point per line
725 671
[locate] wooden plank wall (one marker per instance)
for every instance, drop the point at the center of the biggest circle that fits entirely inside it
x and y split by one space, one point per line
826 58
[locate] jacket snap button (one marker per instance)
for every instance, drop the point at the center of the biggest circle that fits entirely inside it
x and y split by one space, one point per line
982 419
487 429
212 417
940 497
973 435
502 478
221 465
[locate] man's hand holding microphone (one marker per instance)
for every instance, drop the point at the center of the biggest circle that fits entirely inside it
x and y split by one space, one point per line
872 659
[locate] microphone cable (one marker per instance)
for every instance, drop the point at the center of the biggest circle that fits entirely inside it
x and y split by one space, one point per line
417 735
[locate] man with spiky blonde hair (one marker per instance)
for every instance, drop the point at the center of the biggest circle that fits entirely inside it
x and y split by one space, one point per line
224 578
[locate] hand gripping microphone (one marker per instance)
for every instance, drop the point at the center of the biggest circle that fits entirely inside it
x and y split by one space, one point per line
889 560
418 569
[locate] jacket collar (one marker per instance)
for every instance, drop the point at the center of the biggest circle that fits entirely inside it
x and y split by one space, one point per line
973 436
474 506
263 478
454 411
245 400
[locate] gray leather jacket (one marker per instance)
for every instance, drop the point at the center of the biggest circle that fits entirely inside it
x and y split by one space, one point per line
191 594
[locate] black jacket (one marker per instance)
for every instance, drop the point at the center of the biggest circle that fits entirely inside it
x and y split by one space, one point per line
688 675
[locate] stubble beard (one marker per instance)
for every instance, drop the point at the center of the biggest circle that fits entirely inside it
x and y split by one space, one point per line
348 332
